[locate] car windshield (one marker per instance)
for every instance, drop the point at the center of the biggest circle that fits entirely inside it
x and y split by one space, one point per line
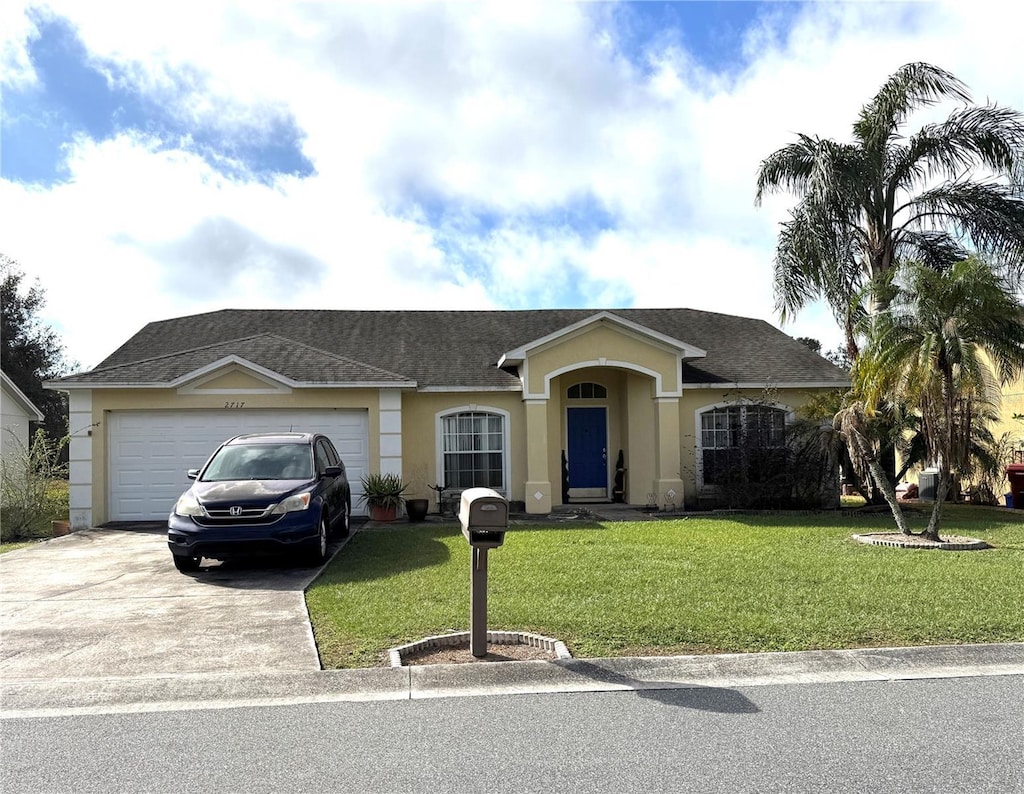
261 462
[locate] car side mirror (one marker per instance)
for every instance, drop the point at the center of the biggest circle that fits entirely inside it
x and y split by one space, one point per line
333 471
192 473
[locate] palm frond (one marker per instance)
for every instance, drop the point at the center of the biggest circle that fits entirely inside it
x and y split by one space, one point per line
988 135
935 249
817 167
815 255
988 214
912 86
787 169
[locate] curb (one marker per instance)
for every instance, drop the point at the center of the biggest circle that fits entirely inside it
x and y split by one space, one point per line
37 698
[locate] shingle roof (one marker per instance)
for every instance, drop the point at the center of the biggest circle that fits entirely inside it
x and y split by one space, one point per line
440 348
293 360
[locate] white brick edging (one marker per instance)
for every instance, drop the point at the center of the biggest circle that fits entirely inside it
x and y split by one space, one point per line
915 542
493 637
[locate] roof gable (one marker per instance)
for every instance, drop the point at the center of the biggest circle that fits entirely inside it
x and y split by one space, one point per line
684 350
268 357
17 396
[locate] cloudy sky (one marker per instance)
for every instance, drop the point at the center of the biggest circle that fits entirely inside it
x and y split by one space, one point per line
161 159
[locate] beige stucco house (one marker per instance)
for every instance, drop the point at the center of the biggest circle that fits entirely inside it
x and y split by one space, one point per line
16 412
1012 406
494 398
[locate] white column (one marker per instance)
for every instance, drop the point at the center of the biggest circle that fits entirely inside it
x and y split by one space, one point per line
80 459
391 431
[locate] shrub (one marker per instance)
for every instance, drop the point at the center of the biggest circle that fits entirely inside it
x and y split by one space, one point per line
32 487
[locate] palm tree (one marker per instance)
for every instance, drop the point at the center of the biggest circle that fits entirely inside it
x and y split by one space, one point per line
856 425
884 198
947 339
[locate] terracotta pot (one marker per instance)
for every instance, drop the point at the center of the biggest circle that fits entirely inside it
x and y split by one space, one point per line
60 528
417 509
378 513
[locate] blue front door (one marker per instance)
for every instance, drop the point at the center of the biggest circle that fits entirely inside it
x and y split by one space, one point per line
588 449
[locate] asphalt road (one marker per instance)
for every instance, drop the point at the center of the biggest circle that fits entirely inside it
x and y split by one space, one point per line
942 735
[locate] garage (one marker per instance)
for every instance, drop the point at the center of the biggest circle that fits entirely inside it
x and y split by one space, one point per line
150 451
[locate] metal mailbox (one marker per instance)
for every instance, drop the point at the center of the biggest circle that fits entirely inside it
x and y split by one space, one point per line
483 514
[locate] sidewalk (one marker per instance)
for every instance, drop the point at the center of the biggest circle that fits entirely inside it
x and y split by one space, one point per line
99 621
36 698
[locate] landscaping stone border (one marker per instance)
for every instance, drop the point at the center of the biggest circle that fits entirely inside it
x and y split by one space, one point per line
557 647
916 542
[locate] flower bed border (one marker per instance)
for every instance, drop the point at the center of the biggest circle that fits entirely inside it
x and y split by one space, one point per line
557 647
897 540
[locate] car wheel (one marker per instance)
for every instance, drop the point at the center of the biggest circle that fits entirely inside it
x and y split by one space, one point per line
343 522
186 564
318 553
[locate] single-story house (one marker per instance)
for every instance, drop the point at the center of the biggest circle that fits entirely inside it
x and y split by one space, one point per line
536 404
16 413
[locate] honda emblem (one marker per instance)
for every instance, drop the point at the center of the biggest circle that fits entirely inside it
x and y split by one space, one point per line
235 511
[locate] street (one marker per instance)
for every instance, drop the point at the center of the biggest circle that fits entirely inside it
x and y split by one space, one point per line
948 735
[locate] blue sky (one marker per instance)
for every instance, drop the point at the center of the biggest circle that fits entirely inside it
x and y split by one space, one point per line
78 93
164 159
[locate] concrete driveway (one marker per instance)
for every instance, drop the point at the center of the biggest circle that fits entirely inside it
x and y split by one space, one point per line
109 603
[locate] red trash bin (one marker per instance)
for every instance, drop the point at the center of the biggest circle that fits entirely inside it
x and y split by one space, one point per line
1015 474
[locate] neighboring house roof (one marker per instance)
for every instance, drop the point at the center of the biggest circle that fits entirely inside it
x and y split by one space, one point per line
443 349
18 396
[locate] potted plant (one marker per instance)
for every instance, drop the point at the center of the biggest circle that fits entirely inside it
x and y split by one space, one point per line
383 495
417 509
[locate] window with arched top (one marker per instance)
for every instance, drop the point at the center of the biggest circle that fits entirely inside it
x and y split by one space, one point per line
474 448
587 391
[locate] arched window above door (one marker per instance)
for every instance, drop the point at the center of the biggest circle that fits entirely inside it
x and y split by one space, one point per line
587 391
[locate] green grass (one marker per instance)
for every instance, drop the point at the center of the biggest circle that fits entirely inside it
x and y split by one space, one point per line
699 585
5 547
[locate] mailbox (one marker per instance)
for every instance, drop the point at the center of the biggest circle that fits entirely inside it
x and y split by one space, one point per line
484 517
483 514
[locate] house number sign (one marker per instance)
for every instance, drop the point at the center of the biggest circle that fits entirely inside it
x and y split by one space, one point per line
235 404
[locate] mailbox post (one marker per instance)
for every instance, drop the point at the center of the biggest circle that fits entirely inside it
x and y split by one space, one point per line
483 514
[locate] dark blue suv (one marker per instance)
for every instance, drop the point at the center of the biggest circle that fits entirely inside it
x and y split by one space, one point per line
266 494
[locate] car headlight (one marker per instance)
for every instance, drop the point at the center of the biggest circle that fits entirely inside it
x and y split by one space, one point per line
292 503
188 505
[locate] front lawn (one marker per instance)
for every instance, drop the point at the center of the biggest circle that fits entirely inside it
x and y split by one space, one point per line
695 585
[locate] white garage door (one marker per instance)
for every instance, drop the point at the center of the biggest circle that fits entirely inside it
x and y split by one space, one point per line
150 451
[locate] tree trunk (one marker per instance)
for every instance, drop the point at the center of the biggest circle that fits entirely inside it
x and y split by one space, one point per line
887 464
931 532
890 495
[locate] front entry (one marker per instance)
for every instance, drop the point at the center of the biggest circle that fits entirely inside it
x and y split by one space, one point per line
588 453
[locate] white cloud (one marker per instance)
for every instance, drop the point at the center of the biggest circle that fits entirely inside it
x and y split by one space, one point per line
505 109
